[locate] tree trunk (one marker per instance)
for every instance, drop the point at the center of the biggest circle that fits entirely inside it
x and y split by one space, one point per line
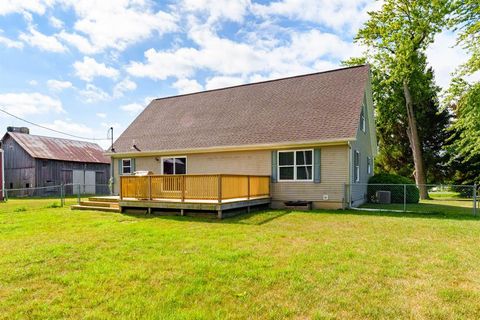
415 144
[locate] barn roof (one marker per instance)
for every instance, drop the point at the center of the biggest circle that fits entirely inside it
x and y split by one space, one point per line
316 107
59 149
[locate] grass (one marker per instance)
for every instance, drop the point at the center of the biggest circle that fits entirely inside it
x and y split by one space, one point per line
57 263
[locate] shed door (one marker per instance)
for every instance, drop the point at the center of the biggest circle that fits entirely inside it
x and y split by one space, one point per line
90 182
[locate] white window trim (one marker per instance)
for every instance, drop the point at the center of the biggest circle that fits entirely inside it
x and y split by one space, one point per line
130 166
356 167
174 157
295 166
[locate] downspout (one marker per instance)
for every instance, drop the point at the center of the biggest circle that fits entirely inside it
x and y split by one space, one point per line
349 182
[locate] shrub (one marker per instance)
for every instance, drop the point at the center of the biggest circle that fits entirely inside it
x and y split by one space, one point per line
53 205
20 209
389 182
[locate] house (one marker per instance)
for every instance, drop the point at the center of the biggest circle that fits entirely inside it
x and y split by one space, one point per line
311 134
33 161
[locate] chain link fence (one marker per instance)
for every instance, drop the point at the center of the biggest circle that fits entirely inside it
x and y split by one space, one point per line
448 199
54 196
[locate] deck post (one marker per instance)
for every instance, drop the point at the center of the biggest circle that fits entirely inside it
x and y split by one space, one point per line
220 192
248 193
219 214
121 187
149 187
183 189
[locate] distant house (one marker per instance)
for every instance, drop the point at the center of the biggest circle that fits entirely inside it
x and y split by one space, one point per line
312 134
37 161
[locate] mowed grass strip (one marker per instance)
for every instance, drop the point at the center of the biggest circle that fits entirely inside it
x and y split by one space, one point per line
57 263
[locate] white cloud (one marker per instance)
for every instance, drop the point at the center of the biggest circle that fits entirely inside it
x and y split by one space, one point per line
57 85
187 86
16 6
89 68
78 41
55 22
117 24
22 104
9 43
222 81
93 94
336 14
132 108
217 9
101 115
42 41
69 127
123 86
33 82
300 54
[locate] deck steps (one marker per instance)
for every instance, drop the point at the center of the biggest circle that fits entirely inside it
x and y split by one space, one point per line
106 204
104 209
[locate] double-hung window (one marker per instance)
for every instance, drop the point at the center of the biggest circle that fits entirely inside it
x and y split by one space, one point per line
296 165
369 165
126 166
363 122
356 166
174 165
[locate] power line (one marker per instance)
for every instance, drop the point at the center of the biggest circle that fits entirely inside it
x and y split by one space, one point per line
57 131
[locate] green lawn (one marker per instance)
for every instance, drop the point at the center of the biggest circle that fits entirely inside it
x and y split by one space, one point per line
57 263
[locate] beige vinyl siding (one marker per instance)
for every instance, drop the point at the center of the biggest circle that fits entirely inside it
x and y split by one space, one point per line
334 174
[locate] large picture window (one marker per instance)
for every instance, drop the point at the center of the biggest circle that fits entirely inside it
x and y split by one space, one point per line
174 165
295 165
126 166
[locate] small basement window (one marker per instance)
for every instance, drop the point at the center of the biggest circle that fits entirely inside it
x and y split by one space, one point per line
296 165
126 166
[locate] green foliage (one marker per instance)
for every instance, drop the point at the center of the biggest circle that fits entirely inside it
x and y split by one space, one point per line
53 205
466 20
393 183
20 209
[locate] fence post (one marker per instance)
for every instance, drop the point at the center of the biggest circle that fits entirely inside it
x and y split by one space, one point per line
404 198
474 199
78 193
61 195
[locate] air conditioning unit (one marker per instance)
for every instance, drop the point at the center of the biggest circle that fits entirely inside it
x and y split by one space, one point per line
384 197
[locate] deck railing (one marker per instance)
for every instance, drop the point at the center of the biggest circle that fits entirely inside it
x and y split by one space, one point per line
216 187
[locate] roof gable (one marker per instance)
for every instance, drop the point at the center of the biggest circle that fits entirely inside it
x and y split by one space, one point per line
59 149
316 107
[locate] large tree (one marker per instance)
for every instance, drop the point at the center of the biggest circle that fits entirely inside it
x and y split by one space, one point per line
395 155
399 35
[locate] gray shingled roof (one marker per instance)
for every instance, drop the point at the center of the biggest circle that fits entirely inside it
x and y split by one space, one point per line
314 107
59 149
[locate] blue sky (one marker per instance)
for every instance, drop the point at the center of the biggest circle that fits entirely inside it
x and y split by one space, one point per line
82 66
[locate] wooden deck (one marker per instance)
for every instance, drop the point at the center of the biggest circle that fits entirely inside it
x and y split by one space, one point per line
194 192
